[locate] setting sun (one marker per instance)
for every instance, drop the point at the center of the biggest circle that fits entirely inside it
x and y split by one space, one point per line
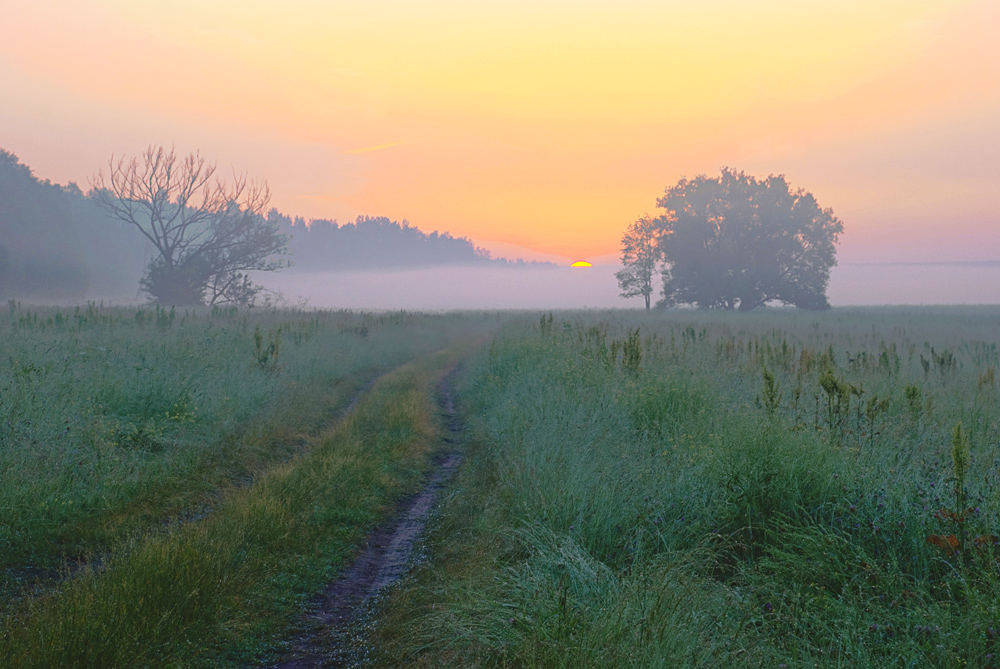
516 123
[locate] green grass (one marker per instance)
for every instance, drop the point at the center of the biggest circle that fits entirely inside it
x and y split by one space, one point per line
663 490
684 510
113 421
228 590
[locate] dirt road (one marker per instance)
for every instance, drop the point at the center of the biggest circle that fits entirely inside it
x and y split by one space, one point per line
340 616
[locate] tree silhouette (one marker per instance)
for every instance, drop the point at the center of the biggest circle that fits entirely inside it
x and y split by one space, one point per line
41 254
735 242
641 255
373 243
207 234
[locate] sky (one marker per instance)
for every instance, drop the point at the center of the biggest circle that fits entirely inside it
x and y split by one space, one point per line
536 128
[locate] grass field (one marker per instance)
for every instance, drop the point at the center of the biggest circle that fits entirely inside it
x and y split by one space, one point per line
639 490
154 454
226 591
687 489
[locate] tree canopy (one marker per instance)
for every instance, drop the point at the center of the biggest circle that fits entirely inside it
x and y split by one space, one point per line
57 244
736 242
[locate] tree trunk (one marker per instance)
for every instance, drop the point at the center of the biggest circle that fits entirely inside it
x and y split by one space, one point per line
749 304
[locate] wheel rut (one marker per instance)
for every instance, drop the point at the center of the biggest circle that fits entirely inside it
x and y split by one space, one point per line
25 582
339 617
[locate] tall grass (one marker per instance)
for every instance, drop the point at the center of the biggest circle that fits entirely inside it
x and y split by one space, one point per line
226 590
751 491
113 420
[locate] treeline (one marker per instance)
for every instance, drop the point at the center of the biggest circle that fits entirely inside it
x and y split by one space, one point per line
58 244
378 243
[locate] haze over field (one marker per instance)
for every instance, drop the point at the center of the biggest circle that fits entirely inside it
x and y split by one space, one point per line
492 333
540 130
595 287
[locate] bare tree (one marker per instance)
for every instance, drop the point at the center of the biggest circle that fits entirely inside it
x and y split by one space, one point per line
207 233
641 255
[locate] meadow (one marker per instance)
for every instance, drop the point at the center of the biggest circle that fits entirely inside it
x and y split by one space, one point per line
693 489
672 489
141 451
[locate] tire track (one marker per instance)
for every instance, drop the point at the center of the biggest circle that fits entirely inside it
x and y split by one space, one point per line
26 582
338 636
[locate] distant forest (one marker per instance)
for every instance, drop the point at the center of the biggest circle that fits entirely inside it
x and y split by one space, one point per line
57 244
377 243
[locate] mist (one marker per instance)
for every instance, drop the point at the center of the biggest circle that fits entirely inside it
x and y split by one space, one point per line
58 247
444 288
915 283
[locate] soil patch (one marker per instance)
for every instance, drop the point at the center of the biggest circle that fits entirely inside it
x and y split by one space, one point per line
341 614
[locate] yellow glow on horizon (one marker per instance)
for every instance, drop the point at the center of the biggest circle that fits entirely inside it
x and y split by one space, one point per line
581 263
370 149
528 123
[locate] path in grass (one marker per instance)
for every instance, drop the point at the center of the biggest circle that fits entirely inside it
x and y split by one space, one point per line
224 591
340 615
40 579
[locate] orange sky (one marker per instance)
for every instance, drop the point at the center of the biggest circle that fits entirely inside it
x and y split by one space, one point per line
545 124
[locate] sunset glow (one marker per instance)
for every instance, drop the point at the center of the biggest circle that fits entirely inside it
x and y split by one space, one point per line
545 125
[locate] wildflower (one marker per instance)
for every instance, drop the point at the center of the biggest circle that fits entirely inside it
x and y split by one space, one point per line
768 608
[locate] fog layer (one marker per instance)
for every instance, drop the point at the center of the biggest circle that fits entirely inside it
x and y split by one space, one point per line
596 287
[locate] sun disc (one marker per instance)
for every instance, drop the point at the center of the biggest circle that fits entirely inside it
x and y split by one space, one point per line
581 263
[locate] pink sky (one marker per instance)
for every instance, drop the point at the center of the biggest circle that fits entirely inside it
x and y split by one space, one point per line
545 126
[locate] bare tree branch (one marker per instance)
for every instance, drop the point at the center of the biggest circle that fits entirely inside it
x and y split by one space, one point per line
207 233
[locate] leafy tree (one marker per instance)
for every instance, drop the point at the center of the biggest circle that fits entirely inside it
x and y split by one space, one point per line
736 242
207 233
40 246
641 255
